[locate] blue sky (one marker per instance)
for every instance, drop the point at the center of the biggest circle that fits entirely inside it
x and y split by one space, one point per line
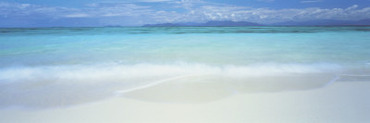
41 13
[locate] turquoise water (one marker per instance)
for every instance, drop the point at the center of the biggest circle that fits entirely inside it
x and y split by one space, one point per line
78 60
212 45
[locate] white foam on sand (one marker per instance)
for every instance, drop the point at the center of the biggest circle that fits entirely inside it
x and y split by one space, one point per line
58 86
121 72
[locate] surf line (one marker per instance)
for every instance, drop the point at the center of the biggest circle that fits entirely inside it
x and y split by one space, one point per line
342 75
360 75
152 84
332 81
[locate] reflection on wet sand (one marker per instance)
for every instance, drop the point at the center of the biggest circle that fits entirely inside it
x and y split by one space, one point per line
209 88
185 89
178 89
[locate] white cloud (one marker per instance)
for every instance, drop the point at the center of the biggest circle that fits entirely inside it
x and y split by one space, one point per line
311 1
266 15
266 0
352 7
191 11
16 9
91 10
188 4
76 15
153 1
117 9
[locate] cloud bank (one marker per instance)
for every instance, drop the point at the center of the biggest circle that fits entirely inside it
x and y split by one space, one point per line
171 11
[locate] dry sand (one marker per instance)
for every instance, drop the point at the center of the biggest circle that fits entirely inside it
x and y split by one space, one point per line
340 102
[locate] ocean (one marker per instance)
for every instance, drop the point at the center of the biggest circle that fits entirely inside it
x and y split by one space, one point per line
48 67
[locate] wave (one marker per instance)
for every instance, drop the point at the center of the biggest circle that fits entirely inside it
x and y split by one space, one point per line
117 72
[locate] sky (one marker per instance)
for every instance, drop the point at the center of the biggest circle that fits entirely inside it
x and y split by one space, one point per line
55 13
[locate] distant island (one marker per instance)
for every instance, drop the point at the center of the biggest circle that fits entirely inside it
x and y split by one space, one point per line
325 23
207 24
364 22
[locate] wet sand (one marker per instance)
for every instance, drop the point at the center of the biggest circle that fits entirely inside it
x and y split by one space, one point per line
339 102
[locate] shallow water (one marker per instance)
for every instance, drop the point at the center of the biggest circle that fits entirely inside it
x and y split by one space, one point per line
48 67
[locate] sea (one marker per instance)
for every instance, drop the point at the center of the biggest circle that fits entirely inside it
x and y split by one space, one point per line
48 67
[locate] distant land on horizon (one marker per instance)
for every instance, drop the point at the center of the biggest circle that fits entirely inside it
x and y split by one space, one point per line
364 22
207 24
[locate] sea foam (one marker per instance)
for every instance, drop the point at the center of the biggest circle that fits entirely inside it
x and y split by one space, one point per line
117 72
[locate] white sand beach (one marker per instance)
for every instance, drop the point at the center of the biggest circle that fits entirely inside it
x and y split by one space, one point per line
340 102
185 75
